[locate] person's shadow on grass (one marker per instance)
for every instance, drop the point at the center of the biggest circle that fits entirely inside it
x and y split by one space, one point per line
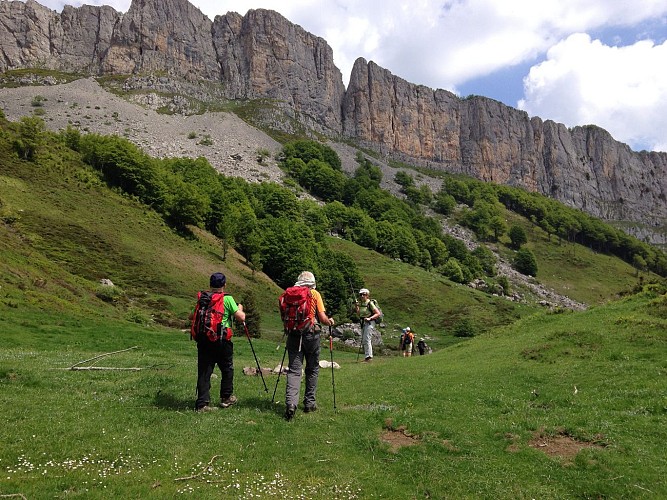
168 401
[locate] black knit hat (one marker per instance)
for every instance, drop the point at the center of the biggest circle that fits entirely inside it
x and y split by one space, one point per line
218 280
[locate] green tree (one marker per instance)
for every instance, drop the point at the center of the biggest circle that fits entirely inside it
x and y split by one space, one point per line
413 195
295 167
335 272
247 233
184 205
226 229
504 282
276 201
444 203
71 137
517 236
525 262
498 227
30 137
486 259
387 242
288 248
125 166
308 150
408 250
426 194
479 218
364 232
367 174
639 263
458 189
452 270
323 181
437 250
403 179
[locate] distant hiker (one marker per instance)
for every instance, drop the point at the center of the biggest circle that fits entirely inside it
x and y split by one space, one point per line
303 340
407 342
421 345
369 312
212 329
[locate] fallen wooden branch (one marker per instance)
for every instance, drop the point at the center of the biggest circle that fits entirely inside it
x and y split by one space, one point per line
204 469
14 495
130 368
82 368
73 367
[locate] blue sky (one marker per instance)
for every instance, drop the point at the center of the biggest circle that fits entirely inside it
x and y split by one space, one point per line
577 62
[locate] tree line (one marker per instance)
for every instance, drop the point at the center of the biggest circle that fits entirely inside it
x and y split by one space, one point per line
281 235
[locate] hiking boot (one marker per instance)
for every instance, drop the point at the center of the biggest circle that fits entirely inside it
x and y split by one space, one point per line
369 358
227 402
206 409
310 408
289 412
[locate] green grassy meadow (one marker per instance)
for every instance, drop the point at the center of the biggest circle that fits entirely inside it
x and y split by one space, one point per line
479 419
538 404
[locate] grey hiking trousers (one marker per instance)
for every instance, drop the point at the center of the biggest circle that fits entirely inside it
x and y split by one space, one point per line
367 332
299 347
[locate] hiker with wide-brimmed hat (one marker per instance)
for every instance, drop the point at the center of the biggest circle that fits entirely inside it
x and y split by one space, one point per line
303 343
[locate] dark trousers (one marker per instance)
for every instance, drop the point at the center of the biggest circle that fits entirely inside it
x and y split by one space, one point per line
208 355
298 348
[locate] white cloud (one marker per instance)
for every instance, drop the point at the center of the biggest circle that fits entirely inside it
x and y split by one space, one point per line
621 89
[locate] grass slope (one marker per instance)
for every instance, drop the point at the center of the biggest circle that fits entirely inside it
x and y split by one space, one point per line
473 420
476 420
64 231
572 269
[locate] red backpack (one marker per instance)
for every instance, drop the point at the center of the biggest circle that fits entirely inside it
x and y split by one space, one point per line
207 318
295 305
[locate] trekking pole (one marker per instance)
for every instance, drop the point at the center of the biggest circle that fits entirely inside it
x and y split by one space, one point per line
333 380
279 372
247 334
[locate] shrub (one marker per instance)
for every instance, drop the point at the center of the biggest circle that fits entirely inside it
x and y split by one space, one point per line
504 282
463 328
262 155
452 270
137 316
111 294
206 141
37 101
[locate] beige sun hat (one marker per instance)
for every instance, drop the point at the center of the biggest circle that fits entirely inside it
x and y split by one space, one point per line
306 278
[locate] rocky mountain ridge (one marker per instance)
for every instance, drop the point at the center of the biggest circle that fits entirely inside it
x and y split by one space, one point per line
264 56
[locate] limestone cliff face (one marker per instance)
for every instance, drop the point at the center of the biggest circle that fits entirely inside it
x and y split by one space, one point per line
170 36
260 55
414 120
264 56
25 35
583 167
162 35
